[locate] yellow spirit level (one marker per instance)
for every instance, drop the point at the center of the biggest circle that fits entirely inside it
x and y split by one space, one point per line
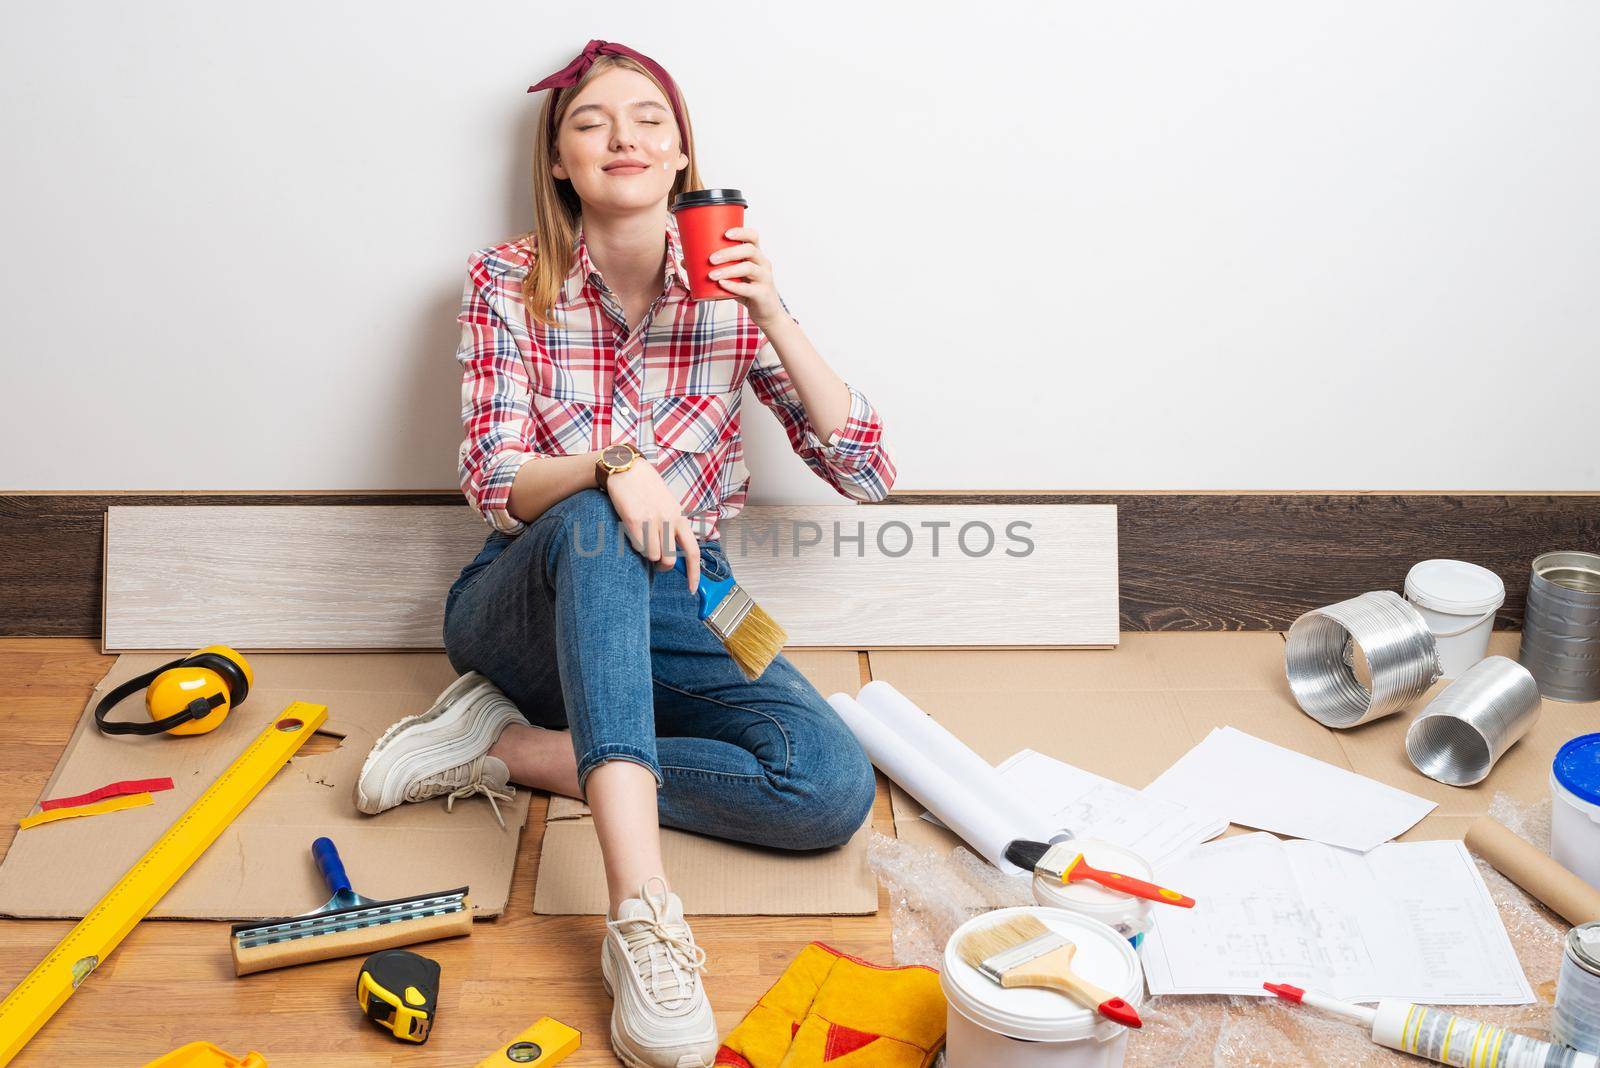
76 956
540 1046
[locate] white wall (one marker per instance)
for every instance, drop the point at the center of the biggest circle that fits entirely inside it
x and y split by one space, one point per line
1235 245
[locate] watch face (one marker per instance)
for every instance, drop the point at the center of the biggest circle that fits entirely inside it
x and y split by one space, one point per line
617 455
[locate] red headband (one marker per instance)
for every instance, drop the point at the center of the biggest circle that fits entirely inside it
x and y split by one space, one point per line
573 72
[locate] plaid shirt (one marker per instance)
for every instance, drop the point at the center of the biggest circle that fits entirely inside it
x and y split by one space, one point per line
671 387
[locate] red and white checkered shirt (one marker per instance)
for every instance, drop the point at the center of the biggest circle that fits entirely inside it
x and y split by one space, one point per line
671 386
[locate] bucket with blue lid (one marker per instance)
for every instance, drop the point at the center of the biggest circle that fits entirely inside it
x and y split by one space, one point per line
1575 808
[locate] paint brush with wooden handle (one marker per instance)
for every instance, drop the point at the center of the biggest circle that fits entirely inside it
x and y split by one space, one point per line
1022 951
1064 863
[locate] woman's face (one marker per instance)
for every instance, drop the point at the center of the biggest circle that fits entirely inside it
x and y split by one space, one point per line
618 143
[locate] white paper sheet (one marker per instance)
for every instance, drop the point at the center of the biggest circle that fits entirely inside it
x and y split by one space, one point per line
1091 806
908 746
1409 920
1257 784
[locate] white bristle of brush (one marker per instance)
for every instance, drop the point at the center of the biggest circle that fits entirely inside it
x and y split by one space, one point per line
755 642
1006 944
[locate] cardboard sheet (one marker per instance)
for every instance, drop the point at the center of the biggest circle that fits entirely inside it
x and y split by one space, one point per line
715 877
1130 713
261 865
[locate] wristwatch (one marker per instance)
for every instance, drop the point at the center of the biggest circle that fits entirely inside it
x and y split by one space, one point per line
614 460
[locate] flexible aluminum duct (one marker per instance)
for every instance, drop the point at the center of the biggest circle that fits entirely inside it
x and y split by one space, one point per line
1401 655
1473 721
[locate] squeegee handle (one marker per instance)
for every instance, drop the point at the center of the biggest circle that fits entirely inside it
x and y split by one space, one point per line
332 868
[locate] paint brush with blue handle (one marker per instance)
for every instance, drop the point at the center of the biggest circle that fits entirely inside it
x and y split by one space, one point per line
751 637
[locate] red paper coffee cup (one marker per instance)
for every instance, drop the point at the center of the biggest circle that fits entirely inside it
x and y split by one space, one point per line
704 215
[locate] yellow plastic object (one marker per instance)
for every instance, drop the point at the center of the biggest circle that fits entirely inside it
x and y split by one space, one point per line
542 1045
27 1008
405 1023
205 1055
94 808
172 690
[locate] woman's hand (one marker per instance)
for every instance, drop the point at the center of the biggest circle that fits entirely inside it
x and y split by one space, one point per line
746 272
653 518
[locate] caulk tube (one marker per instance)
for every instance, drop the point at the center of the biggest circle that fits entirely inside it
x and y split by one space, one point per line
1442 1036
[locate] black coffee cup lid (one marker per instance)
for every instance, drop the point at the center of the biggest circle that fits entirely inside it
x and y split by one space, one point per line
696 198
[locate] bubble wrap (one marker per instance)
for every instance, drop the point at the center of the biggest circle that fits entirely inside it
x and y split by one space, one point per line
931 894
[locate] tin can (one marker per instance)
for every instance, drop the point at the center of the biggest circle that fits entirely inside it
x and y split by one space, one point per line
1576 1021
1561 631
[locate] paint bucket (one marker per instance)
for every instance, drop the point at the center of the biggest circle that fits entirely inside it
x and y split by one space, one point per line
1462 732
1575 808
1126 914
988 1026
1561 634
1398 658
1576 1020
1459 601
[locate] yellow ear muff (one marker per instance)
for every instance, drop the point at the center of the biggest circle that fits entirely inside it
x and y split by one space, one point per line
188 696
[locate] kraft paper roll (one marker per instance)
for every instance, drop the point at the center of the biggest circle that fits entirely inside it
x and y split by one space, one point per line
1520 861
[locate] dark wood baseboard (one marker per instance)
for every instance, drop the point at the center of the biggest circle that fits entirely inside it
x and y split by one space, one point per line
1189 561
51 547
1256 561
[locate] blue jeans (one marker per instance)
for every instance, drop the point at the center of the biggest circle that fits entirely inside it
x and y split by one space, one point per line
581 631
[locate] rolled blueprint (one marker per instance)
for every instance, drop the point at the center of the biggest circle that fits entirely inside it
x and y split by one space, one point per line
934 766
1526 865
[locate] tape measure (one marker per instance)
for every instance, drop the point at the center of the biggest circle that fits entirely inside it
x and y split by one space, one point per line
399 991
540 1046
75 957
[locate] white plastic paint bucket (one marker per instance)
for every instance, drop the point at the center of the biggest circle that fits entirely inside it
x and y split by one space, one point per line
1575 808
1459 601
1128 915
989 1026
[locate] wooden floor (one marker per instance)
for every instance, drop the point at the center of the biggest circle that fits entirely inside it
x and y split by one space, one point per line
172 982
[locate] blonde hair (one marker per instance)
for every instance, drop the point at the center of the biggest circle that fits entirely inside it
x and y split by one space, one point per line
556 205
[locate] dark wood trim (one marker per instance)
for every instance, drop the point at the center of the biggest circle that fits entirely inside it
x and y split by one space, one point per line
1255 561
51 545
1189 561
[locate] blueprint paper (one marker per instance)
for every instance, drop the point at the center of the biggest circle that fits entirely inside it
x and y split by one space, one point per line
1091 806
1407 920
1257 784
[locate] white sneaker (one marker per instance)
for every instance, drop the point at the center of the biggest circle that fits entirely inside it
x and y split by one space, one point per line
443 751
651 966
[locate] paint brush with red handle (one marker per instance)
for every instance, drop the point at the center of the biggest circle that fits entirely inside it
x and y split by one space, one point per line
1064 863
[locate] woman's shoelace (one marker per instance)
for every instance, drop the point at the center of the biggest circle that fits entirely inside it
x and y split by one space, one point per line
684 957
464 782
481 787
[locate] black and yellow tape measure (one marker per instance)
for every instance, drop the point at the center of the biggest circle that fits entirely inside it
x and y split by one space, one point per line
399 991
